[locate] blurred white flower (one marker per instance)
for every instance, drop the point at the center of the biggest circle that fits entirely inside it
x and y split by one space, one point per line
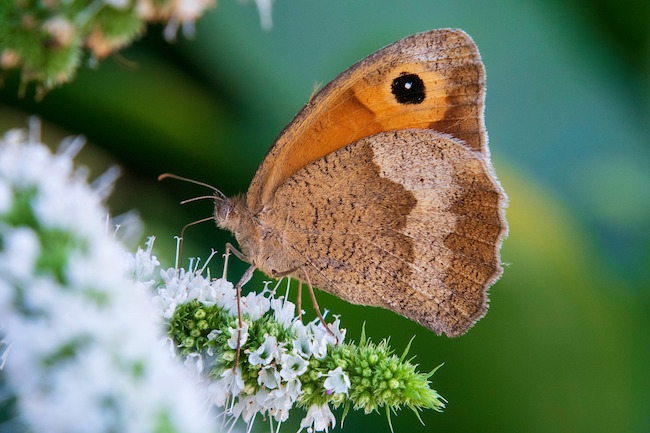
184 13
81 342
6 197
60 30
19 253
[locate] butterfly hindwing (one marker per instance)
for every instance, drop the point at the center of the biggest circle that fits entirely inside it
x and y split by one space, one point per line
409 220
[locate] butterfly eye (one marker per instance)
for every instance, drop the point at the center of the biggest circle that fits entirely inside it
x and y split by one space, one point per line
221 209
408 89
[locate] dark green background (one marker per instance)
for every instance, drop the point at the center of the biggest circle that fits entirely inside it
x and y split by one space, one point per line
565 345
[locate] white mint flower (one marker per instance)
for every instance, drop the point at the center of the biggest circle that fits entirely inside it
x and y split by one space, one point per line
294 388
243 336
283 311
247 408
337 381
269 377
225 295
318 418
255 305
265 353
194 363
303 343
320 331
143 264
232 381
80 343
319 347
277 386
182 286
292 366
279 402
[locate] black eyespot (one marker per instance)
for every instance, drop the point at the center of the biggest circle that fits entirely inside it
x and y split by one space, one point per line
408 89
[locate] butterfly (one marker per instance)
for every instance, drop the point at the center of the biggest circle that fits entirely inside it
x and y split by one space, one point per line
381 190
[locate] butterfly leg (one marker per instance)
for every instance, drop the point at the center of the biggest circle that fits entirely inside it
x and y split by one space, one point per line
320 316
243 280
230 248
240 323
313 299
299 300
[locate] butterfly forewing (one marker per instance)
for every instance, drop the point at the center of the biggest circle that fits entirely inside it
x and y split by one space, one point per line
433 80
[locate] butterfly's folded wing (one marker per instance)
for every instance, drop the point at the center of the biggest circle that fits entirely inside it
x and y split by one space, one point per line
446 94
409 220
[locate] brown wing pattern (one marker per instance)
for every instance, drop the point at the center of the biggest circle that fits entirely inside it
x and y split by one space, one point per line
418 232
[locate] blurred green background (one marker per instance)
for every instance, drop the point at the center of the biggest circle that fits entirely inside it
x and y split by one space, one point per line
565 345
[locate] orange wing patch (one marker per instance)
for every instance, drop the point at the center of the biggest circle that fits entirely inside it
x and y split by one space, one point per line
433 80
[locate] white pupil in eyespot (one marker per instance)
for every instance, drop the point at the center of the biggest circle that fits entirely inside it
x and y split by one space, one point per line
408 85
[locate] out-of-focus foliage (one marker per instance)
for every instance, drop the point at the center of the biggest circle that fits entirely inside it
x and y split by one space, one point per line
564 346
47 40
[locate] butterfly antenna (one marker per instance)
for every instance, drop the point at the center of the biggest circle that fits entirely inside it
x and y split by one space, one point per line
202 220
185 179
203 197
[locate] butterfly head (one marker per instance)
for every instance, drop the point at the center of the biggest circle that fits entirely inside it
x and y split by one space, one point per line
222 211
232 214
